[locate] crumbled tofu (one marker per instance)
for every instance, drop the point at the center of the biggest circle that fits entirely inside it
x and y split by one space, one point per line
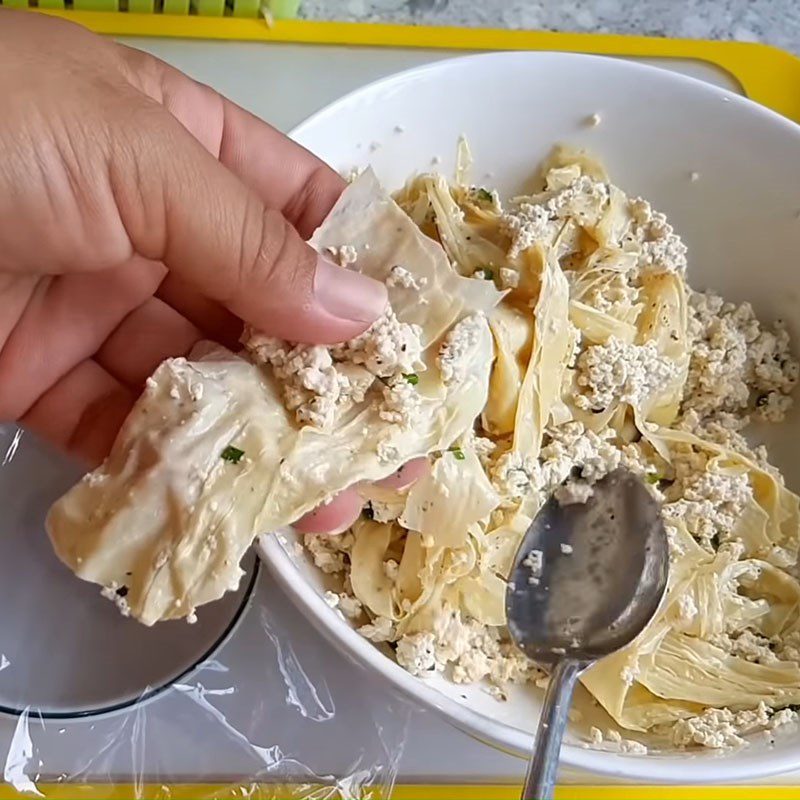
788 648
633 747
401 277
573 492
387 511
566 549
381 629
735 362
482 447
514 475
386 348
329 552
661 247
401 402
711 504
529 223
416 653
345 255
687 610
390 568
630 672
472 651
614 741
453 357
570 447
349 606
534 561
116 594
332 599
318 381
752 647
719 728
786 716
509 278
617 372
593 120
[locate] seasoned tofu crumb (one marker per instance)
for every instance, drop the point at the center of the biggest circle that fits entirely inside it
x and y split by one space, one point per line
318 382
573 492
719 728
534 561
453 358
401 277
617 372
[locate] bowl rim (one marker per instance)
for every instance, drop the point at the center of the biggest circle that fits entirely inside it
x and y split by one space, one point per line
705 767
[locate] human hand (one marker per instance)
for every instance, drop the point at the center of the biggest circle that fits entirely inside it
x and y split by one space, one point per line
141 212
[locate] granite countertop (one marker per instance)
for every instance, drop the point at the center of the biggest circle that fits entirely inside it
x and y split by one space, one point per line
775 22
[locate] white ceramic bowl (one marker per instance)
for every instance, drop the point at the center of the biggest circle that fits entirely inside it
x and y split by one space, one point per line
739 218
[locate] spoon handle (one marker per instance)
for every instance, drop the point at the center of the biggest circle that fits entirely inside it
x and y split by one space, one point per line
543 768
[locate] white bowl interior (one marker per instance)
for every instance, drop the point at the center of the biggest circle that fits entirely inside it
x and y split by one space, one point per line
740 219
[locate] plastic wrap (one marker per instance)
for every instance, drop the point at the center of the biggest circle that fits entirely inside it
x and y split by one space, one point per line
259 716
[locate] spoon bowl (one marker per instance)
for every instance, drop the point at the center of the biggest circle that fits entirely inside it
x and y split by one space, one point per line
601 571
588 577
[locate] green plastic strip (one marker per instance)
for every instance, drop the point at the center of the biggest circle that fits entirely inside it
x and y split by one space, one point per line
210 8
51 3
16 3
283 9
141 6
246 8
96 5
180 7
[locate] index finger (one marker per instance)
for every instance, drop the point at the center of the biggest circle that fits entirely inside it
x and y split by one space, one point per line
286 176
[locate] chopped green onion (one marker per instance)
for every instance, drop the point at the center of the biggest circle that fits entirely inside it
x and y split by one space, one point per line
232 454
458 453
488 274
485 195
653 477
412 378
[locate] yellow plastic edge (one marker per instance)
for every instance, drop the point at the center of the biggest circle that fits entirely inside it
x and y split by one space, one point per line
767 74
266 791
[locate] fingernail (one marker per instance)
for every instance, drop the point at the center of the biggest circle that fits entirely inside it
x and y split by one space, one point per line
333 517
348 295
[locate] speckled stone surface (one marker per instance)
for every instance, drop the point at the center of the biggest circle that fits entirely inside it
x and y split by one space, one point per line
775 22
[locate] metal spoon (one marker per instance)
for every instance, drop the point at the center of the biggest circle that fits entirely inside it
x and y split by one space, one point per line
599 574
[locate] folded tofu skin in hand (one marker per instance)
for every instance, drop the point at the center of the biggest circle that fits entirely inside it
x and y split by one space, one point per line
222 447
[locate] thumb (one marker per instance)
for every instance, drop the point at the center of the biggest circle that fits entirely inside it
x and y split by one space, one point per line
189 211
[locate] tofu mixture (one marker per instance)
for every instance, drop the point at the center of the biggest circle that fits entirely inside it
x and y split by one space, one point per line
530 347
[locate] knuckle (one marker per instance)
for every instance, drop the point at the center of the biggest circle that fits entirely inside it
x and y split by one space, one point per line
273 257
315 199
